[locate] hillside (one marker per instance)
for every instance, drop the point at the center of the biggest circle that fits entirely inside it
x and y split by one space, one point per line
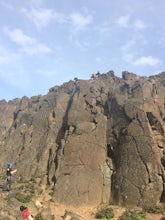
101 141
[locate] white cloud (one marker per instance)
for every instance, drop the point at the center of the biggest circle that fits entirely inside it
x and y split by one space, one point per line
161 41
4 59
29 45
127 49
128 45
140 25
6 5
99 59
36 3
12 71
39 48
123 21
6 56
105 28
128 57
41 17
11 68
84 45
80 21
18 79
150 61
19 37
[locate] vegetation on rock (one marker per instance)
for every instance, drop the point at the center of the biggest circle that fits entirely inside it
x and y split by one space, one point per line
132 215
105 213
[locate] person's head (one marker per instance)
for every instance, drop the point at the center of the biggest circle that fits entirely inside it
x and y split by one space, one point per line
9 164
22 208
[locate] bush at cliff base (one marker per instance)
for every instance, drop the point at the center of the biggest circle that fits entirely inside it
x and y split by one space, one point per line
105 213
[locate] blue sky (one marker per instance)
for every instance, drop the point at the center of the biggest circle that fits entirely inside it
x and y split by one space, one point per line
44 43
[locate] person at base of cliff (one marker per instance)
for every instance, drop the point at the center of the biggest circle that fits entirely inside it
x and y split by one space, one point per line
9 173
25 213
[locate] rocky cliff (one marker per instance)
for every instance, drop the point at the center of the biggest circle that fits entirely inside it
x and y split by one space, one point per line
99 142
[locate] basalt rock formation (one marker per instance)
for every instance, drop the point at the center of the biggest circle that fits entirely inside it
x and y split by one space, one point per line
99 141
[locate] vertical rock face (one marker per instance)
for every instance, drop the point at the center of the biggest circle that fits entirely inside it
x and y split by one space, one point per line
137 139
102 142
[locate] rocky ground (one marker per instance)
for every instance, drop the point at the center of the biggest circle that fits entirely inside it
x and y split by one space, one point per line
39 201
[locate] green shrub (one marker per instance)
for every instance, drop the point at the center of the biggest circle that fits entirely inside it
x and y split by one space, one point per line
105 214
33 179
39 217
2 177
132 215
154 209
22 198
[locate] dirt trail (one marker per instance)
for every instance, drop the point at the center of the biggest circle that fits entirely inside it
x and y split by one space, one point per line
88 212
85 212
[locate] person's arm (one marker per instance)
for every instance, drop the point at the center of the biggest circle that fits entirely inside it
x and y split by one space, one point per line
13 171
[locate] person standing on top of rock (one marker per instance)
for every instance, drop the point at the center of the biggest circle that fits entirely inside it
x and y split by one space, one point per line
76 84
25 213
93 77
98 74
9 173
